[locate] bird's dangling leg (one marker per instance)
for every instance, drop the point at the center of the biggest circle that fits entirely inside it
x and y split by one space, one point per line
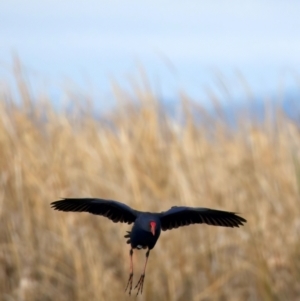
140 284
129 283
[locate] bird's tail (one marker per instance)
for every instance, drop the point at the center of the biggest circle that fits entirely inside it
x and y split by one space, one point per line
128 236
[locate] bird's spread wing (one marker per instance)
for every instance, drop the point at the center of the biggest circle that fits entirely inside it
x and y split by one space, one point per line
116 211
183 216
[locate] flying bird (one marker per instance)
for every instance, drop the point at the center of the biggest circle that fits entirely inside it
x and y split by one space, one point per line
148 225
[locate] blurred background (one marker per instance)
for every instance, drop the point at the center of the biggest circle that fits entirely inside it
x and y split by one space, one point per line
179 45
154 104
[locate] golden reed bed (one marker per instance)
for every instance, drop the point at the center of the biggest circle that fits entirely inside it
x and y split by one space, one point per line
145 158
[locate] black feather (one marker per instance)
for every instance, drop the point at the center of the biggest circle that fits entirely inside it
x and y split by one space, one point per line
183 216
116 211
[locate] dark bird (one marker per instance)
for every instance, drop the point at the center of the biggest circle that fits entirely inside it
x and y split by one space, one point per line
147 225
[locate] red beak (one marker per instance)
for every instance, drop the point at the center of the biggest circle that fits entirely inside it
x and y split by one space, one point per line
153 227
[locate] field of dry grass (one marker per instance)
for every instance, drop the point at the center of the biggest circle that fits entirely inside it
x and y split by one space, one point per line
141 156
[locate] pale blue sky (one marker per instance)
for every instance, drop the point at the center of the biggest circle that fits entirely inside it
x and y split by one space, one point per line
181 44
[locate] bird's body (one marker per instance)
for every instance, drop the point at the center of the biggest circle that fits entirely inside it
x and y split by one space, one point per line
140 237
147 225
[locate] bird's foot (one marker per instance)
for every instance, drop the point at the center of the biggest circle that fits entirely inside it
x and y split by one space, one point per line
129 283
140 284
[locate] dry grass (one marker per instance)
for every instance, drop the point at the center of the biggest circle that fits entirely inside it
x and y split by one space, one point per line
140 156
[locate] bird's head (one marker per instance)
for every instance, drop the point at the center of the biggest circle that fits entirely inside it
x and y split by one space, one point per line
152 227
